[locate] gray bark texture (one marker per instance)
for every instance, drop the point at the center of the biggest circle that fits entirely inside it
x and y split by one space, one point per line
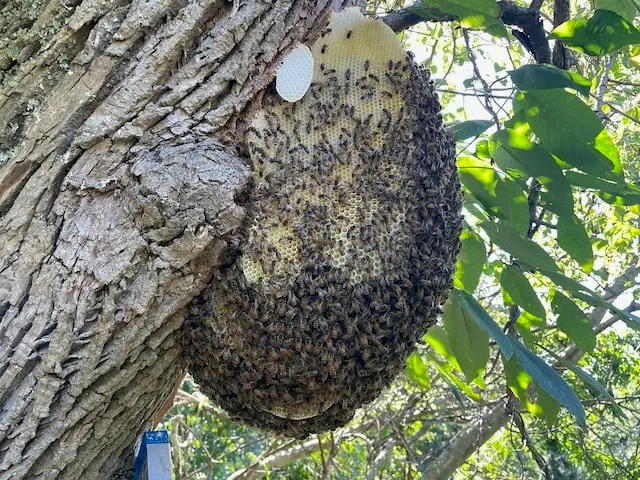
121 174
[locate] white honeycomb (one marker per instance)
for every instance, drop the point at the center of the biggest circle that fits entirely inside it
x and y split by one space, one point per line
294 75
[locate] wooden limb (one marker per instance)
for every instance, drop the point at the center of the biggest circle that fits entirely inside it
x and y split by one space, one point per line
526 19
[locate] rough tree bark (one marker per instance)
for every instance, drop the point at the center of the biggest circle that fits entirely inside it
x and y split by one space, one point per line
120 185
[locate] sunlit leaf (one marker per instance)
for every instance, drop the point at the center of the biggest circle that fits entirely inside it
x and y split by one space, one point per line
471 306
577 290
480 179
470 262
573 322
519 246
469 341
445 370
468 129
591 382
519 291
543 77
514 207
573 239
478 14
587 181
571 130
530 327
501 197
519 157
540 404
603 33
438 339
625 8
482 150
416 371
549 380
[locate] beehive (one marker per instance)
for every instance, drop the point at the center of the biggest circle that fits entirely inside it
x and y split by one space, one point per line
355 219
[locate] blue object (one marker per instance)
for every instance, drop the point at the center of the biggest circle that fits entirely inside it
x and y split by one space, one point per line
150 459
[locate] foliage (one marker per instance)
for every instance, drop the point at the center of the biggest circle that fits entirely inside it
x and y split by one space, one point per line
548 162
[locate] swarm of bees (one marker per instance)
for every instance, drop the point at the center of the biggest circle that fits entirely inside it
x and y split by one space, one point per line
355 220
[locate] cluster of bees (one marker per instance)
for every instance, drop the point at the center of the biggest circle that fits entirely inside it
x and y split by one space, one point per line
355 224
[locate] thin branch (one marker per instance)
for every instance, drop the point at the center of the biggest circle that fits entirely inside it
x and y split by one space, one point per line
324 462
485 85
628 84
519 422
469 94
532 200
454 52
602 85
624 114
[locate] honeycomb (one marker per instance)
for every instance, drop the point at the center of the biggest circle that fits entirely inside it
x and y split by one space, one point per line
295 74
355 219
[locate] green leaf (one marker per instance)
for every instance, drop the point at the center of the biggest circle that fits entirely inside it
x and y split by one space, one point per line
438 339
571 130
501 197
549 380
498 29
519 381
478 14
621 200
625 8
544 77
521 247
468 129
480 179
520 291
583 293
416 371
573 239
603 33
587 181
471 260
591 382
549 405
430 14
526 324
573 322
445 370
471 306
482 150
469 342
514 207
517 156
613 193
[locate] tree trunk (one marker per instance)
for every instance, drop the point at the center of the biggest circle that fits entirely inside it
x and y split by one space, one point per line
120 167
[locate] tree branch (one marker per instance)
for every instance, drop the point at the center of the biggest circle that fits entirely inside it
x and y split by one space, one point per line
519 422
527 19
561 13
465 443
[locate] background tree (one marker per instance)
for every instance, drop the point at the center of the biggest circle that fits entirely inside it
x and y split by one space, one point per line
453 414
117 194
